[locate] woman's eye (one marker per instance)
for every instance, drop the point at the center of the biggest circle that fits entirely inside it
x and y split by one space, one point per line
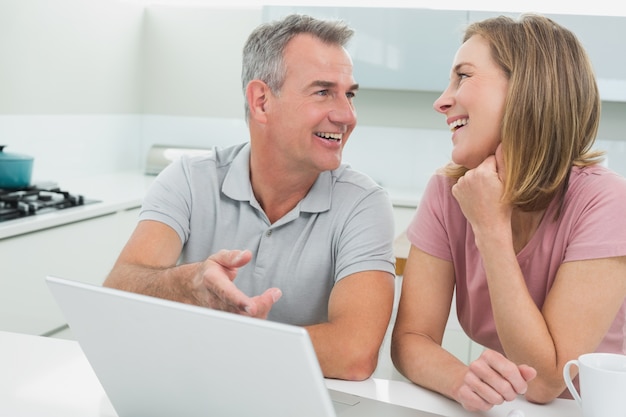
459 77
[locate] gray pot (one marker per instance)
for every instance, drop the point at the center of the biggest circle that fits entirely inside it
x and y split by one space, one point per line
15 169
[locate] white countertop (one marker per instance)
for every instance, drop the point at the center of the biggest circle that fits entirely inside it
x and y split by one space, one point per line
120 191
114 192
404 197
47 377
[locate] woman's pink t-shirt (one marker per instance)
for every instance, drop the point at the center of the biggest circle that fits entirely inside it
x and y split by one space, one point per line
592 225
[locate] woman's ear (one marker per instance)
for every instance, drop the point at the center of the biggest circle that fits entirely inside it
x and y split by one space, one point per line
257 94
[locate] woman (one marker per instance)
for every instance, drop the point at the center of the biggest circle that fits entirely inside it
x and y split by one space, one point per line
525 224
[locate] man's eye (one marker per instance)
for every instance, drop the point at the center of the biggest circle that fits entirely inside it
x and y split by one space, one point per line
322 93
351 94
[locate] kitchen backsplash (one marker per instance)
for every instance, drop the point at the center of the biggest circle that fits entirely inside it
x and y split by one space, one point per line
67 146
399 158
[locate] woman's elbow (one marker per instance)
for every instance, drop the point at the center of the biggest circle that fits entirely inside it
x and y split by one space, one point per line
543 392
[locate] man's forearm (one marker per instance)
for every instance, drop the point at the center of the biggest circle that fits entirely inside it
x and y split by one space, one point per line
169 283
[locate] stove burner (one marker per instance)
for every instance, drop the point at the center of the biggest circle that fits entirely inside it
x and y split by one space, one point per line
36 199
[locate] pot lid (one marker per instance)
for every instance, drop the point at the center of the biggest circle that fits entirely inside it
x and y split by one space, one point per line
10 156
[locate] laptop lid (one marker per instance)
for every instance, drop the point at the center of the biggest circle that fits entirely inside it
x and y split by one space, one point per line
160 358
156 357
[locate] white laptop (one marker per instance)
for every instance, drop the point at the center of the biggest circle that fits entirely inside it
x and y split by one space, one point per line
156 358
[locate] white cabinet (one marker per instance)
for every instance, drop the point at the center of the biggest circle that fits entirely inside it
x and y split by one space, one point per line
603 38
413 49
402 217
83 251
394 49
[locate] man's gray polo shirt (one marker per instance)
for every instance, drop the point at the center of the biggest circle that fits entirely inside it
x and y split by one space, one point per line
344 225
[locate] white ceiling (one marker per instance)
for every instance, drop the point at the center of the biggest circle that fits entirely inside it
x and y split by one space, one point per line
596 7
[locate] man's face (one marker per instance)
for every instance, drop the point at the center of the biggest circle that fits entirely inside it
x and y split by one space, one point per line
311 118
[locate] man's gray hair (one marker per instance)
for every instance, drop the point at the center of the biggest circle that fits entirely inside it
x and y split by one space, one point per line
265 47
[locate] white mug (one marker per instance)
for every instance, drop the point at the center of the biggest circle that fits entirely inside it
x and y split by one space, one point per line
602 380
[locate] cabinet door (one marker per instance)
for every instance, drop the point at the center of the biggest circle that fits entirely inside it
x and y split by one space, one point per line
603 38
82 251
392 48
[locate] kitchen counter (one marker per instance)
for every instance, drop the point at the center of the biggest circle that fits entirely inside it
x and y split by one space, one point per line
48 377
118 192
114 192
404 197
80 243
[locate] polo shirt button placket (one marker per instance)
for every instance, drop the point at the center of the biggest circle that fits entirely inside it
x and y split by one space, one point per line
268 233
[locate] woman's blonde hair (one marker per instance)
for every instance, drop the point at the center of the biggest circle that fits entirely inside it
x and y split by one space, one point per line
552 108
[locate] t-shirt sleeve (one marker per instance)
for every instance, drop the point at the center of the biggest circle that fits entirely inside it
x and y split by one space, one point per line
366 242
598 222
427 230
167 199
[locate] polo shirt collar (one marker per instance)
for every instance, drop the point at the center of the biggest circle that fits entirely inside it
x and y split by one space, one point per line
238 187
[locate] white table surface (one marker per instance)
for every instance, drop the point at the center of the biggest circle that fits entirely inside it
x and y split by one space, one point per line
47 377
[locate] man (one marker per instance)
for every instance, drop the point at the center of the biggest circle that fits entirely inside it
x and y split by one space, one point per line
279 216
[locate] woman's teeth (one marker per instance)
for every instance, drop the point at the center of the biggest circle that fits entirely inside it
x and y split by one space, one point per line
457 123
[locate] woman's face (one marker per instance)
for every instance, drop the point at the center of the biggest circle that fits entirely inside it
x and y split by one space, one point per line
474 103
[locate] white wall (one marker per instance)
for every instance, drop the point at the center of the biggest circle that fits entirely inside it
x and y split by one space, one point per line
69 84
69 56
86 86
192 60
74 145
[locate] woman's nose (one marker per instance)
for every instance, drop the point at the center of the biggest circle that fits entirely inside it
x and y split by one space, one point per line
444 102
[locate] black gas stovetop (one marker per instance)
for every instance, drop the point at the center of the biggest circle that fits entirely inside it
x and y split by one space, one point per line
37 199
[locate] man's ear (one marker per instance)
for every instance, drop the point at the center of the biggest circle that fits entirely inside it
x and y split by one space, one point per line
257 94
